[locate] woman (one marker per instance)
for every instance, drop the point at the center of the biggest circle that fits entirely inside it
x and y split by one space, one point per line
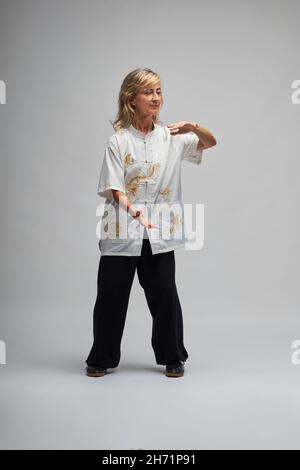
141 174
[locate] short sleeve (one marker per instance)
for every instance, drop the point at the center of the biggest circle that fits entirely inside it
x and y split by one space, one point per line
189 150
112 171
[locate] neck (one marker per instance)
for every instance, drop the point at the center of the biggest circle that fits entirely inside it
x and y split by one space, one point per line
144 125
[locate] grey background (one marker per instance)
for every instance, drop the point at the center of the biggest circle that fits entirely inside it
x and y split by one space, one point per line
229 66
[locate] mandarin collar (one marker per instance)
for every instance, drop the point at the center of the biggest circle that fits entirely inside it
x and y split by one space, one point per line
141 134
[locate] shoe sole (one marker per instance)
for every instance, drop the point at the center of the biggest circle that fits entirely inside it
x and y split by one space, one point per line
170 374
99 374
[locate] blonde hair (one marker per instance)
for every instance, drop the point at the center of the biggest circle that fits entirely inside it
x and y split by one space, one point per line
129 88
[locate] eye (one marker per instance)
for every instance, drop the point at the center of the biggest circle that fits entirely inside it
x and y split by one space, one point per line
147 92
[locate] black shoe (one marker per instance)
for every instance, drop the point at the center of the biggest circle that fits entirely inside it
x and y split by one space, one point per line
95 371
175 369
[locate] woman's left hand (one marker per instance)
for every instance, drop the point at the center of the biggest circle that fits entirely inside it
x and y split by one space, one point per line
181 127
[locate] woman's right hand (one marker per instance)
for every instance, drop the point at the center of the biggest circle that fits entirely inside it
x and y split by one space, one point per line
143 221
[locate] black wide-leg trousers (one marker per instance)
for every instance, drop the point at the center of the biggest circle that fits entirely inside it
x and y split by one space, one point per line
156 274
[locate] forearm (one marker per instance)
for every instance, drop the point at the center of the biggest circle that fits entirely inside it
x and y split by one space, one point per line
123 201
204 135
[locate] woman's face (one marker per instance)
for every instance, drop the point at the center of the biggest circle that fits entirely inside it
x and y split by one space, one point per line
148 100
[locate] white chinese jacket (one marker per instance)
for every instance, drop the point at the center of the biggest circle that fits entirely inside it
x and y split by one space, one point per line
147 168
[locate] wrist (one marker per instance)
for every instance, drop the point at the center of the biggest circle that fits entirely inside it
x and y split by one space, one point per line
194 126
131 210
137 214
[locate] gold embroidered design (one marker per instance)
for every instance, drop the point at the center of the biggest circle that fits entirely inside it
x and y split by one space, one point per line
133 184
165 192
175 222
128 160
153 170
